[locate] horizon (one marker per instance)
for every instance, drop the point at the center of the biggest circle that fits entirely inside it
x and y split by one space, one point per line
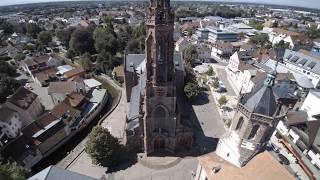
312 4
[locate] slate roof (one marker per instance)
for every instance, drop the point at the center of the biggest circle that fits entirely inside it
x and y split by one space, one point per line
6 113
133 61
56 173
262 102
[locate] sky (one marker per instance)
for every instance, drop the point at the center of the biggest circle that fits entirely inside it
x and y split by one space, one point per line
301 3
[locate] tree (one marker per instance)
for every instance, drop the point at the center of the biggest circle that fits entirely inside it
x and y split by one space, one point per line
8 86
282 45
82 41
13 171
19 57
44 38
133 46
222 101
190 54
216 83
260 40
256 24
105 41
103 148
210 72
7 69
85 62
104 62
64 36
33 29
313 32
6 27
192 90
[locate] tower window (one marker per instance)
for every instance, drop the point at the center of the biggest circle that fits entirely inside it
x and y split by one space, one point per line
240 122
254 131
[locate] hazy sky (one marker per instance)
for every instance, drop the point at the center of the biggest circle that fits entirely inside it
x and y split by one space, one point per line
303 3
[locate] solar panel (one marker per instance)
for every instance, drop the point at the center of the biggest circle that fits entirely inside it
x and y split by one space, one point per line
303 61
289 56
311 65
295 59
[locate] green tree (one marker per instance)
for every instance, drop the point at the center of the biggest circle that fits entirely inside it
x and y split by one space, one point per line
105 41
139 30
256 24
64 36
85 62
6 68
260 40
216 83
282 45
13 171
313 32
222 101
133 46
8 86
192 90
189 54
19 57
104 62
210 72
6 27
82 41
33 29
44 38
103 148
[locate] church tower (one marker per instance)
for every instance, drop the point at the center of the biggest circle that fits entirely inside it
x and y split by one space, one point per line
256 117
161 117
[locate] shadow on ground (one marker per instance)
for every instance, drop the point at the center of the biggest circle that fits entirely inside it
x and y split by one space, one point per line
127 160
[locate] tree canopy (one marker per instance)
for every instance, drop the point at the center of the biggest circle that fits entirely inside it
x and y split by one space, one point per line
222 101
33 29
260 40
6 68
85 62
103 148
192 90
13 171
44 38
256 24
82 41
189 54
105 41
64 36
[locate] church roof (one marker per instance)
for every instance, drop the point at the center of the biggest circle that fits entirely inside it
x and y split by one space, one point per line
262 101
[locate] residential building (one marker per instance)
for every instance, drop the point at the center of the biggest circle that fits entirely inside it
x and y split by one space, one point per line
256 117
10 125
203 51
91 84
74 72
55 172
58 91
296 40
27 104
181 44
45 76
304 63
263 167
222 50
301 136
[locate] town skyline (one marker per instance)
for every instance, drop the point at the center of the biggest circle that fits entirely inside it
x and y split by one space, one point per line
298 3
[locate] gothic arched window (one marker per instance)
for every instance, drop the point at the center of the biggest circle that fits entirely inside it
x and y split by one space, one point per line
254 131
240 122
159 112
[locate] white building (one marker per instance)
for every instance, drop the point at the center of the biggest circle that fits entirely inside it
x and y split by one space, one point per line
27 104
303 63
10 124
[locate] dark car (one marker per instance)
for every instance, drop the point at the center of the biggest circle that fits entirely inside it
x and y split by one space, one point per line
283 159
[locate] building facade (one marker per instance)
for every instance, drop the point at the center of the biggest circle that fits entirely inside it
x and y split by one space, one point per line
154 118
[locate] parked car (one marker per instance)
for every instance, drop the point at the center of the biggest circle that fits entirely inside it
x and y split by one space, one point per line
221 88
283 159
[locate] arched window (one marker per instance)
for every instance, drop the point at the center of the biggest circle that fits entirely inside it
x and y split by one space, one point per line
240 122
254 131
159 112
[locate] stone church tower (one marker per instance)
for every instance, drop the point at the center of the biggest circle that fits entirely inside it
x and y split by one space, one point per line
161 119
257 115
